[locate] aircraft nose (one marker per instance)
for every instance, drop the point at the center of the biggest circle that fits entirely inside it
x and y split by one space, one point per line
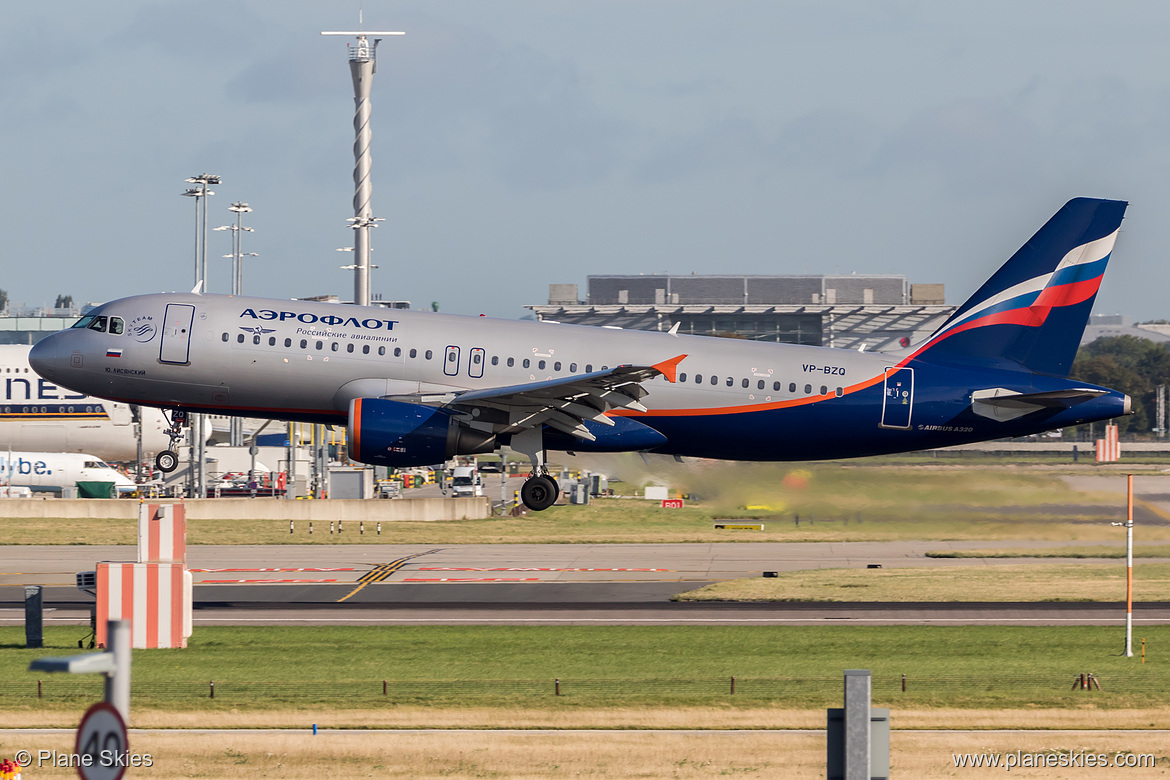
47 356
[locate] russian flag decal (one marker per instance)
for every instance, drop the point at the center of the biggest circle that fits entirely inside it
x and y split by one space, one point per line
114 352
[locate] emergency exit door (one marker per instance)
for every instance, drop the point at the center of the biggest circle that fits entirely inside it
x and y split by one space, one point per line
176 333
898 399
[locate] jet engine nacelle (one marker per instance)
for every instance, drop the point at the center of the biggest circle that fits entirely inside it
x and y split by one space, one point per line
392 433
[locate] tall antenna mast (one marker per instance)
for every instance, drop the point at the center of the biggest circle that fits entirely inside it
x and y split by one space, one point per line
362 66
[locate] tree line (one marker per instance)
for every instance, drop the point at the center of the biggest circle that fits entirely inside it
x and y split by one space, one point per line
1133 365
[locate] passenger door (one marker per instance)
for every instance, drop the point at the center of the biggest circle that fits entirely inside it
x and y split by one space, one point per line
175 346
898 399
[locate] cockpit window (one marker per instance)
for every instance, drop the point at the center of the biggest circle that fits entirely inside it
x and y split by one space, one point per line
98 324
96 464
84 322
117 326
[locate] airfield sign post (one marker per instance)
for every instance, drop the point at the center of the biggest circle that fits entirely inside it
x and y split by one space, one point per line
113 663
1128 566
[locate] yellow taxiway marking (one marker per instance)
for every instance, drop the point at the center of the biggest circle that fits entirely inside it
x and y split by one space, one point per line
382 572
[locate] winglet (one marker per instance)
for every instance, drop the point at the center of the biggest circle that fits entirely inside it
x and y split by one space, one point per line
669 368
197 289
674 328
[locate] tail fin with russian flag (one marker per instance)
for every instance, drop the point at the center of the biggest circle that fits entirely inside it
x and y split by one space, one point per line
1032 313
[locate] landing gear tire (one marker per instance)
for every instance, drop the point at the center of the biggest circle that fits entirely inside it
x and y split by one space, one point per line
556 485
166 461
539 493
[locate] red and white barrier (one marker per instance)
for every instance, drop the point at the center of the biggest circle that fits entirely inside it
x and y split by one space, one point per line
1109 448
162 533
155 597
154 594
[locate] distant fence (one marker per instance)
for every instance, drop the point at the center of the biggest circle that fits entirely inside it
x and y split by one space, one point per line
776 688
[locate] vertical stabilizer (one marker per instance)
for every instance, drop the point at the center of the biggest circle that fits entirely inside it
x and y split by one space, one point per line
1032 312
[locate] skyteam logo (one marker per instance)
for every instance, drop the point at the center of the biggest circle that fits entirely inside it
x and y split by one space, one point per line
329 319
142 328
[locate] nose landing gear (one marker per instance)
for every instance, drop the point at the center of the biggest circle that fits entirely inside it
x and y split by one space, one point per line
167 460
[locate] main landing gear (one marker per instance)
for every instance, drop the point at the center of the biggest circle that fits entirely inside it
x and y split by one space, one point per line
540 491
167 460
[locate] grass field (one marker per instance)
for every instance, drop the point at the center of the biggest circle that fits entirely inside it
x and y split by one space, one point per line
325 673
540 756
1032 582
821 502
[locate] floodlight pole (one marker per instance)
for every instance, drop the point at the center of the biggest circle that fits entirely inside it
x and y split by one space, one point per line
362 66
196 425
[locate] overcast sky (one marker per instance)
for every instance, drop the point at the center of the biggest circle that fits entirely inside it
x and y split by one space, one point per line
521 143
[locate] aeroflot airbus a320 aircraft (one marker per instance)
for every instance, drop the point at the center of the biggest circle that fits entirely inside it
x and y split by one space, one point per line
417 388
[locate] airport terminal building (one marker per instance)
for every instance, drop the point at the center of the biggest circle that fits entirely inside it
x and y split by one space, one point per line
843 311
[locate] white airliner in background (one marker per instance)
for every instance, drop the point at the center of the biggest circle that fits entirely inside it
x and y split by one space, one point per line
36 414
52 471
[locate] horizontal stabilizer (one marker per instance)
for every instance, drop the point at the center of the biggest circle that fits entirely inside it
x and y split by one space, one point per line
1004 405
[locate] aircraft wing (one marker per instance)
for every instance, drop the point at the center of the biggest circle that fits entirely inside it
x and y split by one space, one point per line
564 404
1003 405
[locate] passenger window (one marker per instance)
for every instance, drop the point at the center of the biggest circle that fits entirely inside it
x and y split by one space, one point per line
730 381
744 383
540 365
605 368
588 368
240 338
98 324
682 377
775 387
365 349
320 345
557 366
495 360
824 390
225 337
452 356
272 341
511 362
527 362
840 391
304 344
255 339
808 389
476 358
572 368
414 353
349 347
117 326
334 346
428 354
698 378
714 379
382 350
397 351
792 387
288 342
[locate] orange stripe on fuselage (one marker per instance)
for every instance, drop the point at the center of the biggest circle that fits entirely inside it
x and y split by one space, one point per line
747 408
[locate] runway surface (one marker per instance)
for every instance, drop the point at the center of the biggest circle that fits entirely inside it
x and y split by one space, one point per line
553 584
